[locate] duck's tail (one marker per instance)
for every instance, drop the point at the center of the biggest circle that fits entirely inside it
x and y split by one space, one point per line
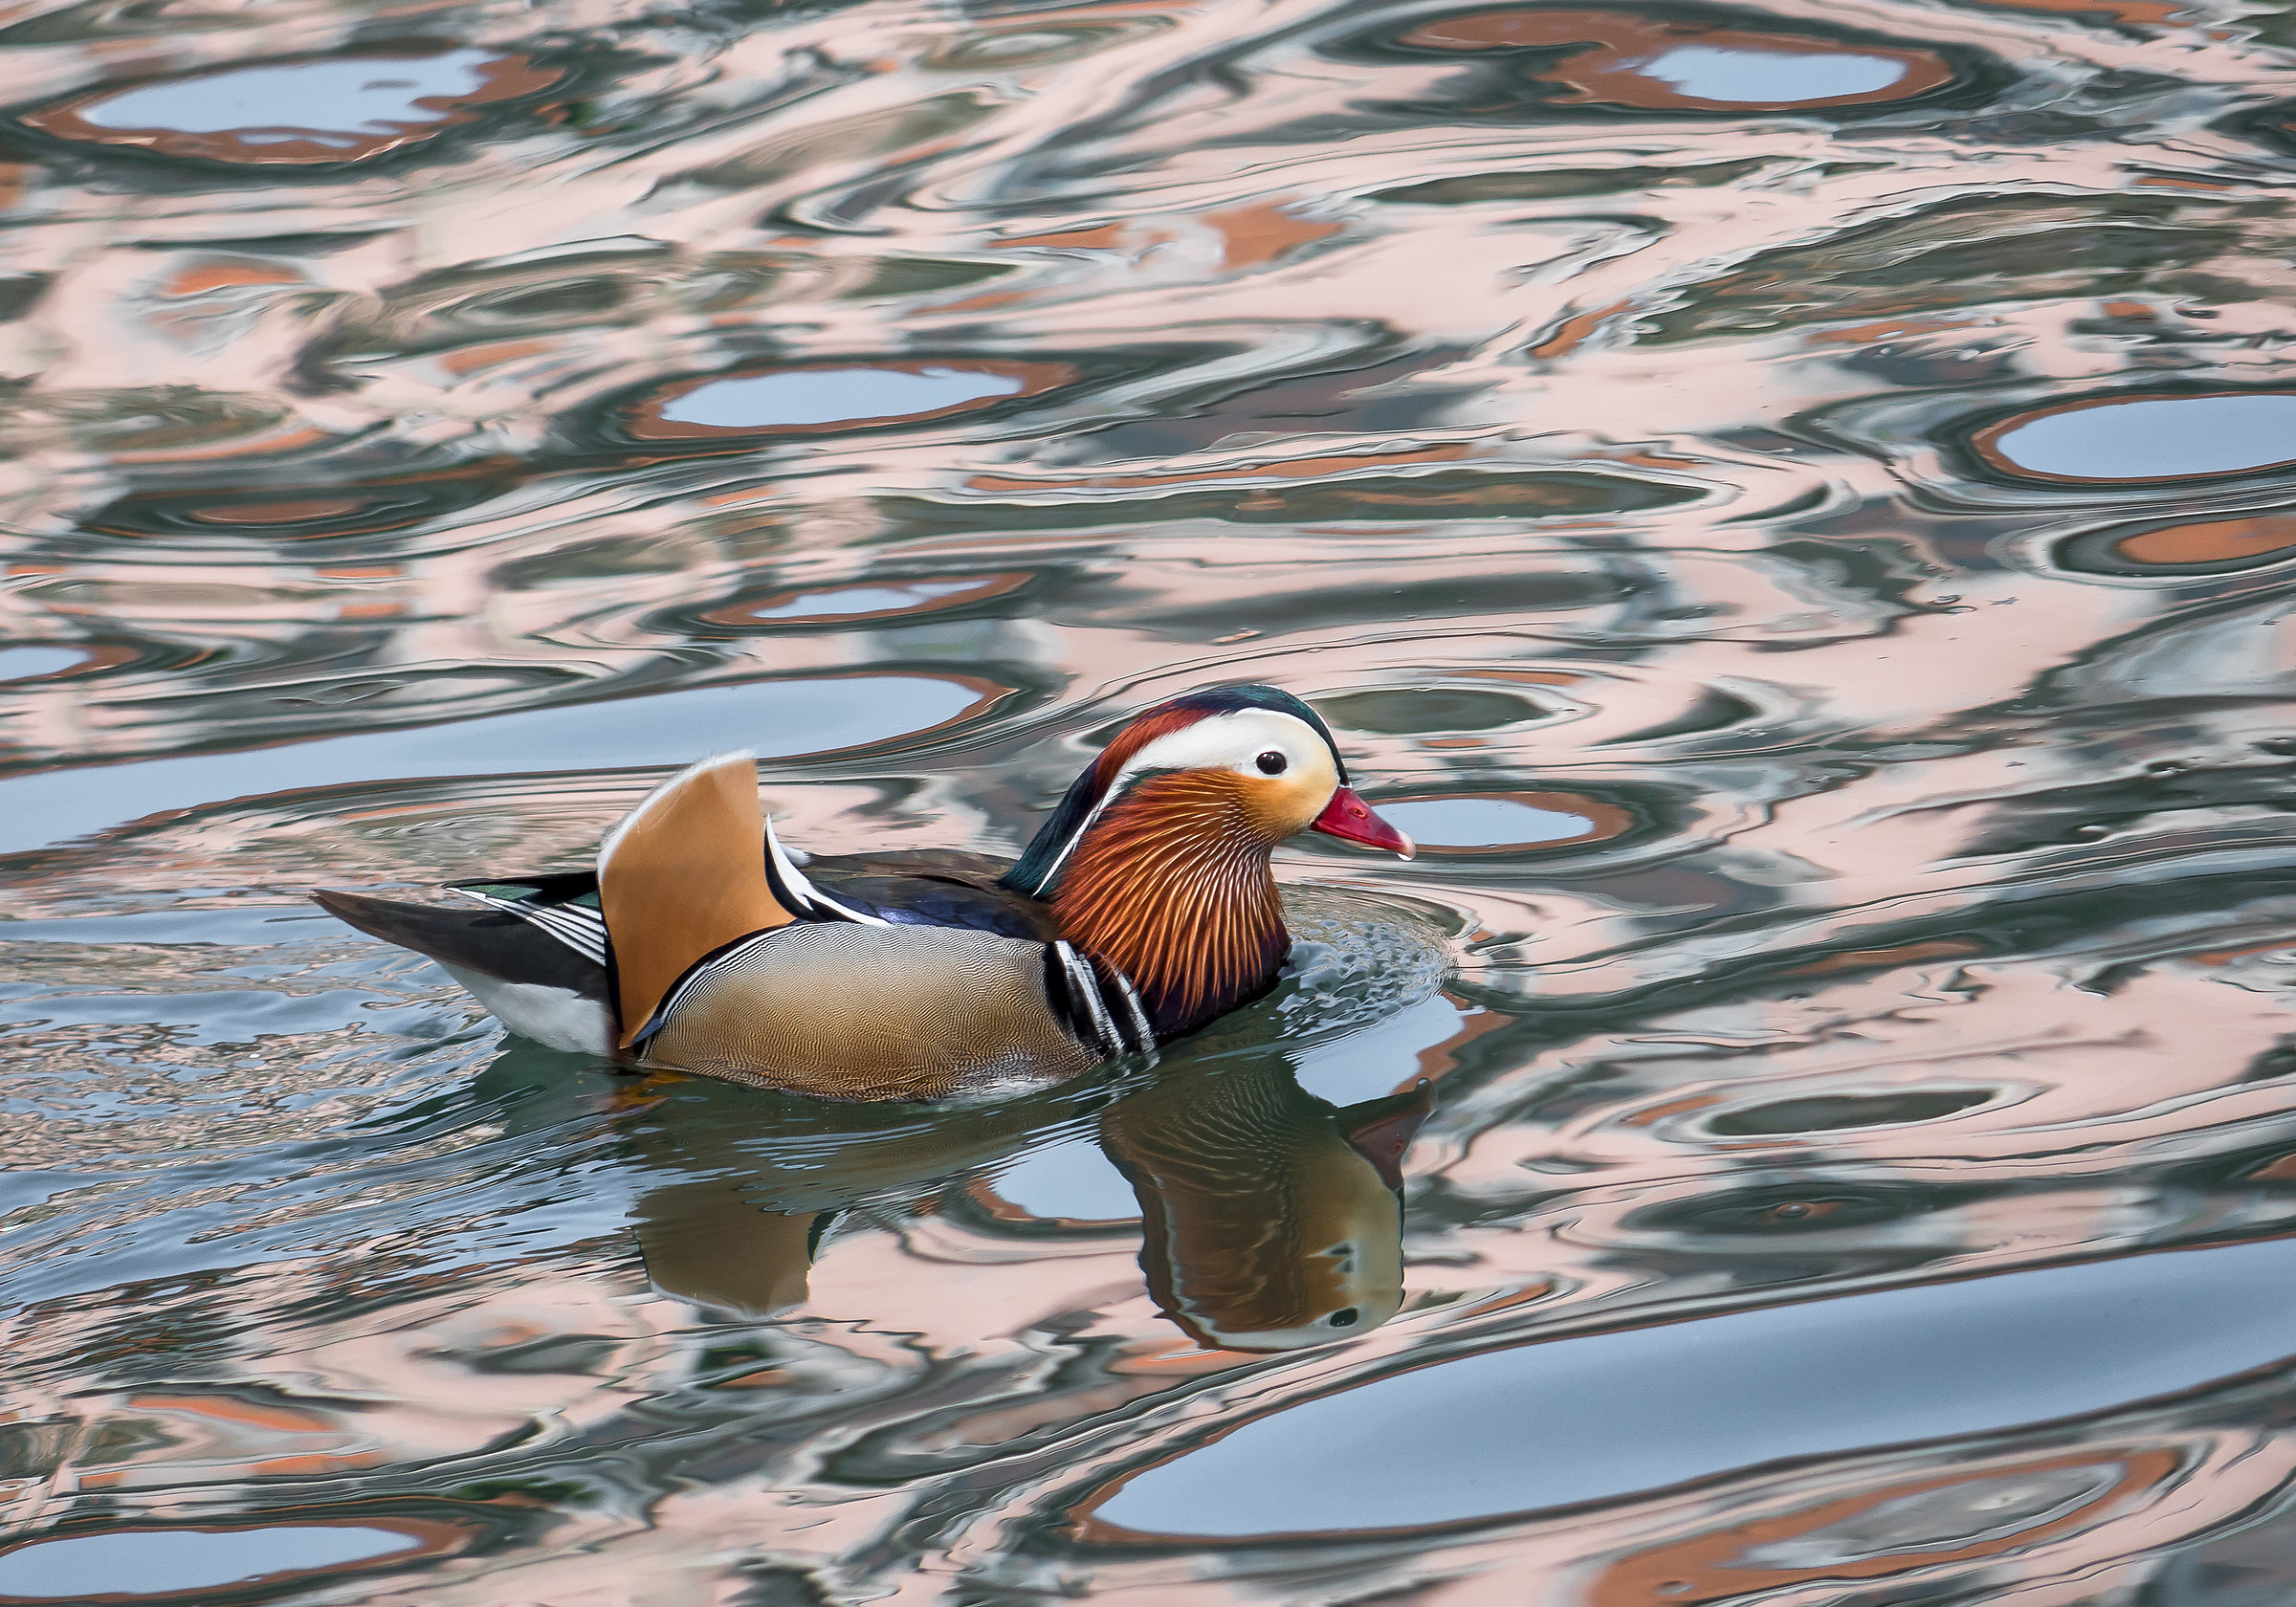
536 980
681 877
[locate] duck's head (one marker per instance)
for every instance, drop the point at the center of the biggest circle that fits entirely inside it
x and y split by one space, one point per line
1156 863
1253 763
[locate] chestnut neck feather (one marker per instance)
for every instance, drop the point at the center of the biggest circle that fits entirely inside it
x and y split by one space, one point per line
1171 887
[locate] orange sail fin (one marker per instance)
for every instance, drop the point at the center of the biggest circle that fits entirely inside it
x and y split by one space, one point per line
682 875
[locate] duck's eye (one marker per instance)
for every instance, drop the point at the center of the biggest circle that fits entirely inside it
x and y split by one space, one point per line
1273 763
1345 1317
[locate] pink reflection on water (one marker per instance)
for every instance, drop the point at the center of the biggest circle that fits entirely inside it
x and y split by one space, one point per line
1627 384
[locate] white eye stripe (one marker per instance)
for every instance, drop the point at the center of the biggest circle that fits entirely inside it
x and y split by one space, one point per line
1232 741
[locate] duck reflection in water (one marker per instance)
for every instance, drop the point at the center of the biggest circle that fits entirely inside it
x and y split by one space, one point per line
703 1242
738 1186
1269 1219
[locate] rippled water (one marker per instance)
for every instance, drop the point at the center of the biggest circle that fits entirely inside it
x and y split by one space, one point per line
1792 507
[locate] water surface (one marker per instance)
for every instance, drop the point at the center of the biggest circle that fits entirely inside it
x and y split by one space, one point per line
1793 509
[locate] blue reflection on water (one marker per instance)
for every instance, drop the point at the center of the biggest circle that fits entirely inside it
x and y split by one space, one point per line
359 95
155 1562
1473 823
832 396
859 600
17 663
1586 1418
2156 437
1073 1180
773 719
1715 73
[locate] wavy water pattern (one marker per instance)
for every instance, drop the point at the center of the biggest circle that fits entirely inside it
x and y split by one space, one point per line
1691 454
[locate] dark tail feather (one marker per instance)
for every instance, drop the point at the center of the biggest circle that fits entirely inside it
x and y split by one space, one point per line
483 941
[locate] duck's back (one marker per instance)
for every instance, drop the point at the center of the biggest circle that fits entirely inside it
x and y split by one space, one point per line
935 887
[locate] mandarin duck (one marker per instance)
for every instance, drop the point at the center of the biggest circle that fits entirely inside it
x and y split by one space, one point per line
1142 909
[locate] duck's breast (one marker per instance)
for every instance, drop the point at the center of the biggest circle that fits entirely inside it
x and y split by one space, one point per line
869 1012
